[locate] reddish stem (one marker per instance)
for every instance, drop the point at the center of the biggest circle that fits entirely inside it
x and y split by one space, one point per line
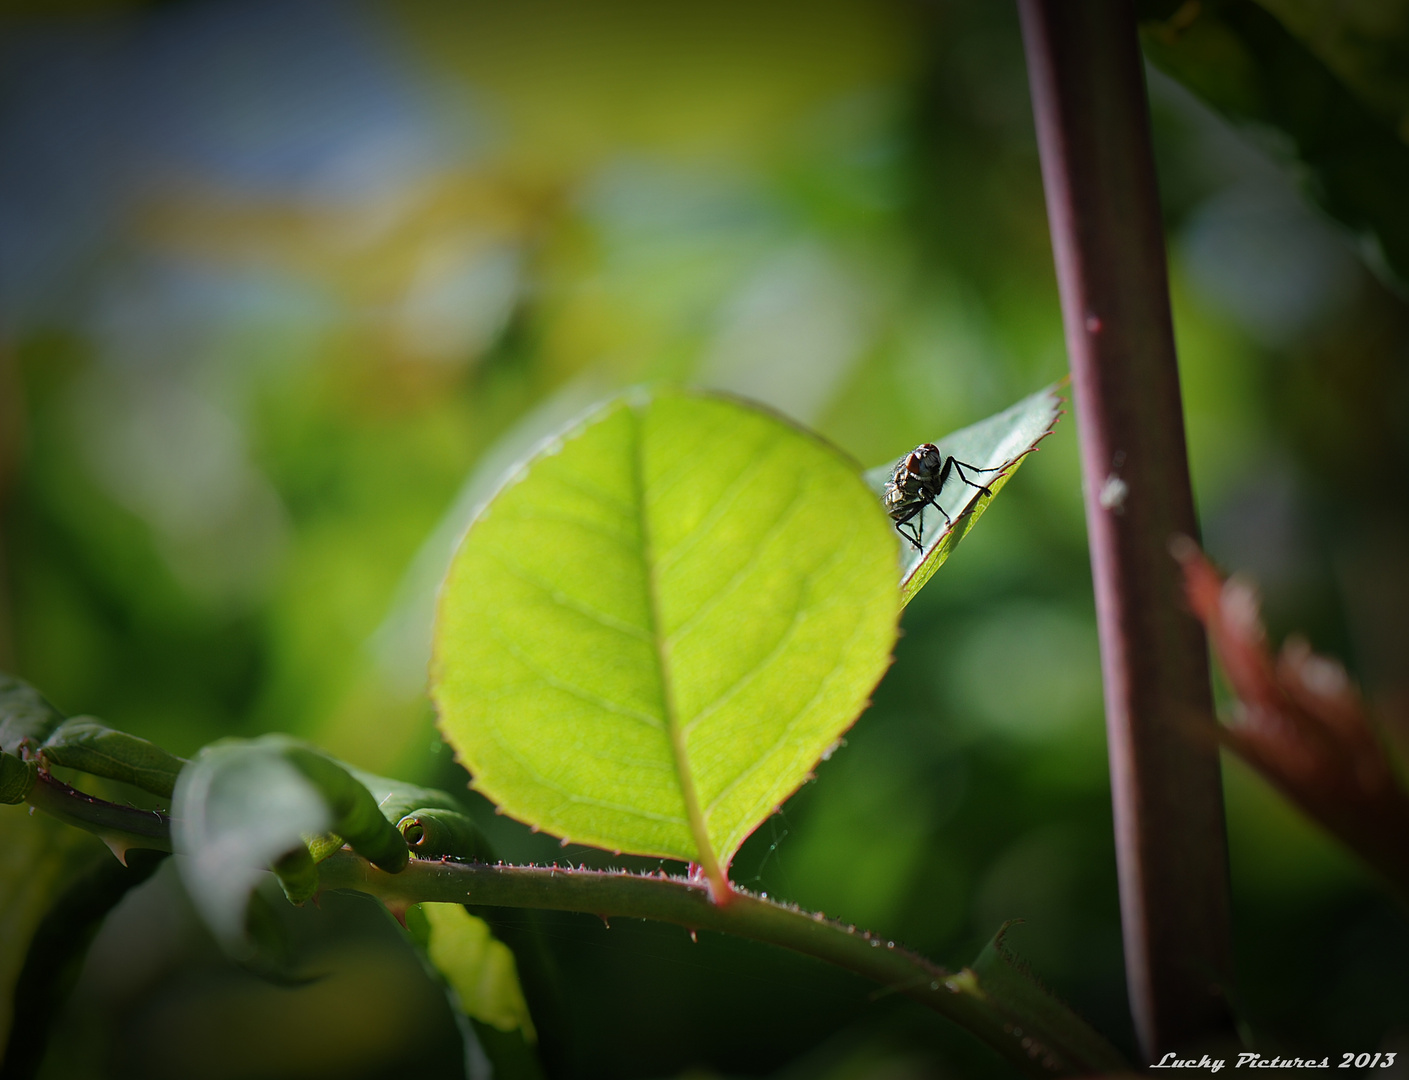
1093 134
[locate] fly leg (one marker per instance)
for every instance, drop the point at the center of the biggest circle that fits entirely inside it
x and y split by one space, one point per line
914 516
959 467
914 535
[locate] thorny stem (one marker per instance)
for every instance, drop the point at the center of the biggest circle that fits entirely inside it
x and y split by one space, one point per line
1093 135
1069 1048
122 827
685 902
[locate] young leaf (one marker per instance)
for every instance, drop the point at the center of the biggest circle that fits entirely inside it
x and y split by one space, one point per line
432 822
433 833
653 632
999 443
480 976
24 714
241 807
84 744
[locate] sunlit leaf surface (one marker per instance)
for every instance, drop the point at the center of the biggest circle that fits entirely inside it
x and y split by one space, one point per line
1000 442
655 630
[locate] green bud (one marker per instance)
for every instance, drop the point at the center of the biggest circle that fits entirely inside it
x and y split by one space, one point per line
432 833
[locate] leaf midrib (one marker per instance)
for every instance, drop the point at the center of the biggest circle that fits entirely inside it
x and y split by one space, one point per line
694 815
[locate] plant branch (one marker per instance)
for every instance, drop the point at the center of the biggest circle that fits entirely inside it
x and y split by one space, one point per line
1050 1042
122 828
960 996
1093 134
1003 1007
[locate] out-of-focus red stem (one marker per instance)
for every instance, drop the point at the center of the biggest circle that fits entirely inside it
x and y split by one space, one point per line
1092 119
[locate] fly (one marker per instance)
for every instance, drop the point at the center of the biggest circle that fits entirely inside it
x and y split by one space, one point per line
917 482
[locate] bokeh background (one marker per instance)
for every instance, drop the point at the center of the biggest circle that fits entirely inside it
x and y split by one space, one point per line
285 287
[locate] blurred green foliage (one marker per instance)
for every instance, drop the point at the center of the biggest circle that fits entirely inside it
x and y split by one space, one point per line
1340 120
287 287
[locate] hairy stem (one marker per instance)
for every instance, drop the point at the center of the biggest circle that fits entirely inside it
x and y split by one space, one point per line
1093 134
1047 1041
959 996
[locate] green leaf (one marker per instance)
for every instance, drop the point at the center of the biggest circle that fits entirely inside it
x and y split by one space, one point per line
24 715
84 744
1000 442
1027 1013
356 815
652 633
397 798
480 976
478 967
1245 64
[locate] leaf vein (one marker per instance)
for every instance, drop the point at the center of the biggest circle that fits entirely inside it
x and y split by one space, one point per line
747 568
570 796
783 736
726 499
562 599
496 631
